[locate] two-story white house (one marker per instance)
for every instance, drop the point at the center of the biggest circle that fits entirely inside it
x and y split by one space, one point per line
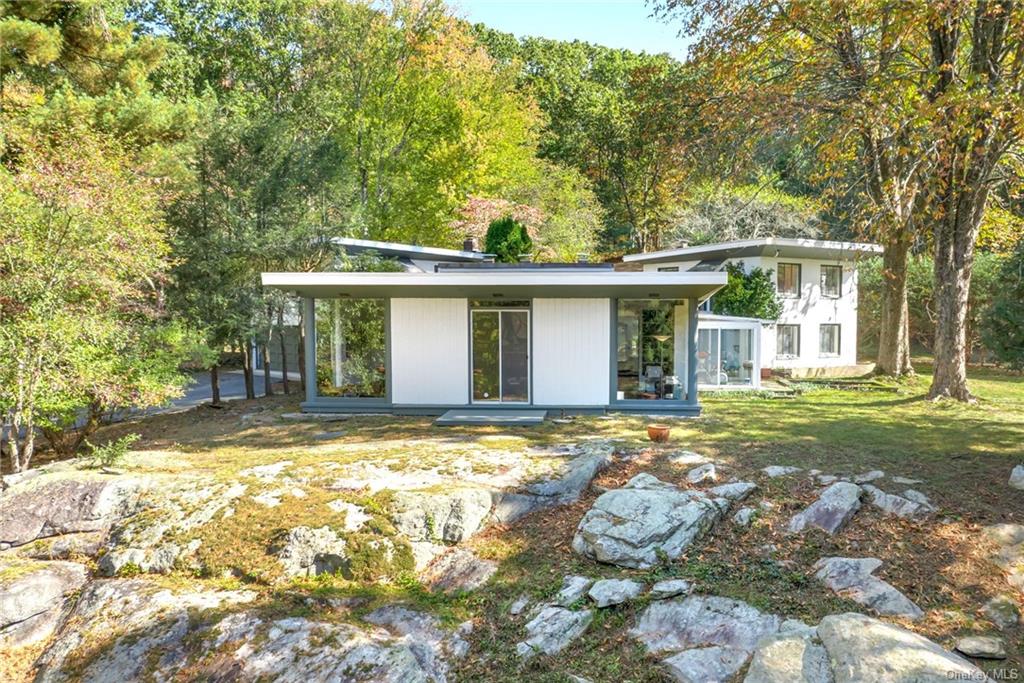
816 333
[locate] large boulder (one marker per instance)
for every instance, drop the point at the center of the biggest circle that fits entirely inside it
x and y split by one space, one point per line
449 517
1009 555
39 509
644 522
794 657
831 511
912 504
307 552
33 599
702 620
458 570
852 578
1017 477
608 592
865 649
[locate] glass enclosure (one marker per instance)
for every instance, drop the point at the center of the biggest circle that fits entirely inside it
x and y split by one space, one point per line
351 348
650 353
501 354
725 356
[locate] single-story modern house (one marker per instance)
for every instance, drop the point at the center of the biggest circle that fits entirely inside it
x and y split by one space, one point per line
455 331
816 333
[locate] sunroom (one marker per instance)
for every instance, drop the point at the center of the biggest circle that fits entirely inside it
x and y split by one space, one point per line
574 337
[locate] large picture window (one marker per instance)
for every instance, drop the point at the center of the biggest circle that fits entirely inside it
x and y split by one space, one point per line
351 348
789 280
648 350
831 281
788 341
725 356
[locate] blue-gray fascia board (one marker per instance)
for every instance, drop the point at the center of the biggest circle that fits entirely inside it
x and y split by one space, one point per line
631 408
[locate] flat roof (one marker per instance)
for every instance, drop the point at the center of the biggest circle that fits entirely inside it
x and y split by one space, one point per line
488 284
788 247
357 246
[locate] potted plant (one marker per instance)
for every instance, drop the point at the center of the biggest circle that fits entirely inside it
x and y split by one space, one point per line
658 432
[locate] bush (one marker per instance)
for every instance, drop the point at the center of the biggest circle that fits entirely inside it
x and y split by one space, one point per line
112 453
507 239
1003 323
748 295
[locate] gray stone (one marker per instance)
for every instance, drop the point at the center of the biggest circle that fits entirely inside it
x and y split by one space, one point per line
608 592
906 481
687 458
429 643
852 578
573 589
789 658
868 477
714 664
450 517
797 627
865 649
696 621
646 520
519 605
355 516
736 491
552 630
64 547
328 436
744 516
578 474
1017 477
913 506
1009 555
509 507
42 509
458 570
831 511
670 588
1002 611
779 470
308 552
981 647
34 601
702 474
826 479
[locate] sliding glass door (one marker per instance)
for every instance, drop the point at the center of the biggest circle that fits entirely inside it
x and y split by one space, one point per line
501 355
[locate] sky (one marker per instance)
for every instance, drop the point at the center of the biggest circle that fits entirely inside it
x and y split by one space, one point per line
613 23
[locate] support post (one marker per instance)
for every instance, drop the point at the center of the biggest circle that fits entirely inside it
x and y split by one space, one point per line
691 352
309 346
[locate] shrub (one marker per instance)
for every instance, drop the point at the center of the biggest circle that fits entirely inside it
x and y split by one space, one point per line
507 239
112 453
1003 323
748 295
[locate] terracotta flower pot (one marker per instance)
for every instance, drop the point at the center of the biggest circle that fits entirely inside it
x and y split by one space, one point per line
657 432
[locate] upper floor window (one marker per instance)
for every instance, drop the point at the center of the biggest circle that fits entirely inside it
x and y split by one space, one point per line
831 281
789 280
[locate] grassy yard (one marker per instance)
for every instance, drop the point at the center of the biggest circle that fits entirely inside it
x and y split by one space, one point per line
962 453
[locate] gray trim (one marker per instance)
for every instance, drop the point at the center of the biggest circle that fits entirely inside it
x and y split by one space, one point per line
309 320
692 321
625 407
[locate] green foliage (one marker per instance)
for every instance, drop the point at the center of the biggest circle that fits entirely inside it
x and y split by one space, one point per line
507 239
113 453
1003 322
748 295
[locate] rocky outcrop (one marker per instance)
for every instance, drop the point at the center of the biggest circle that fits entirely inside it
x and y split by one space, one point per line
608 592
308 552
552 630
33 599
1009 555
670 588
852 578
565 487
39 509
794 657
1002 611
643 522
831 511
449 517
735 491
458 570
572 591
865 649
702 474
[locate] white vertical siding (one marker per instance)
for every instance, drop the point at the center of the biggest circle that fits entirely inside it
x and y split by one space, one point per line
570 351
429 351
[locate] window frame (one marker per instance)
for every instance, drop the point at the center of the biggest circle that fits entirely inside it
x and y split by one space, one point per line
838 338
778 351
799 280
825 267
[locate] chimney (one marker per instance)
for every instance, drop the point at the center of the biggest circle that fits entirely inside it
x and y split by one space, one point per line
469 244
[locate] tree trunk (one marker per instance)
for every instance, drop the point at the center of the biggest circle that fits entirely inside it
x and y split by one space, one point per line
284 350
894 338
247 372
215 384
268 389
955 234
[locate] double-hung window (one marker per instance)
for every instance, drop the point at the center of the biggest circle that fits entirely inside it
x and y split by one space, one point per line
788 282
828 340
788 341
831 281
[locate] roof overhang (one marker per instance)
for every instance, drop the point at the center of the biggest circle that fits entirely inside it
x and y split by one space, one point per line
351 245
508 285
770 246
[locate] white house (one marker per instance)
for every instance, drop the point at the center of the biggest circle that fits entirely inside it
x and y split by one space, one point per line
456 331
816 334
